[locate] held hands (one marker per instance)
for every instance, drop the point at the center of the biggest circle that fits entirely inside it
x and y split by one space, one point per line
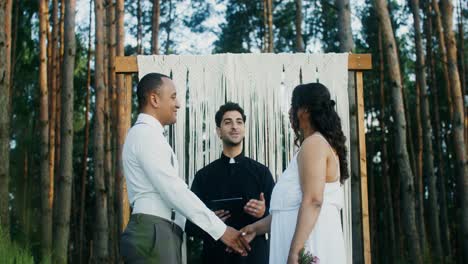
235 241
256 208
249 233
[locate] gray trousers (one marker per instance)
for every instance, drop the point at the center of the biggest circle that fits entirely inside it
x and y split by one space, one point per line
151 239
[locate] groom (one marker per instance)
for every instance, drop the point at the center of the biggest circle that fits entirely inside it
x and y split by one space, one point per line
160 199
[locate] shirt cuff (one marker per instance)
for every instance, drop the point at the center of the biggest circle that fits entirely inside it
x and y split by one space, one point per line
217 230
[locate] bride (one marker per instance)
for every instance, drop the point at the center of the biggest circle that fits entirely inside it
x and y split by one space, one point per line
307 199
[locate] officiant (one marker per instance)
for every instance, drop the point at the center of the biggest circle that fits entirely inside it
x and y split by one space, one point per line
240 184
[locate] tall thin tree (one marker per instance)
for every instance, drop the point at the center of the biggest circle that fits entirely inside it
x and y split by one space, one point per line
443 53
402 157
346 45
270 25
169 26
46 210
84 173
457 122
101 226
139 28
428 153
155 27
53 95
111 128
62 226
387 190
4 121
299 19
438 134
123 119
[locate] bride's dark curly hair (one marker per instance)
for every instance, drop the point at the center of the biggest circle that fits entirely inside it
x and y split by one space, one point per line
315 99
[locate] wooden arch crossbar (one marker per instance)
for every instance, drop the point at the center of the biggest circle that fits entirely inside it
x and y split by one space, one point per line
126 67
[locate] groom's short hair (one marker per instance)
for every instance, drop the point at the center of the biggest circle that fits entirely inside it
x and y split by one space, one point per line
149 83
229 106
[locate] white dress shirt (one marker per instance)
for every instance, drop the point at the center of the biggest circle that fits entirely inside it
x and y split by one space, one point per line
153 184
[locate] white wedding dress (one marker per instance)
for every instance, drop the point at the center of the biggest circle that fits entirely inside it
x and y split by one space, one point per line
326 240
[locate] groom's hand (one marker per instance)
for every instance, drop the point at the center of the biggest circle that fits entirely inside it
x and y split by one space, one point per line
256 208
234 240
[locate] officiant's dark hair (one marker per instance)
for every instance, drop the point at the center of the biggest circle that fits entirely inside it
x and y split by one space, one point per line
315 99
229 106
149 83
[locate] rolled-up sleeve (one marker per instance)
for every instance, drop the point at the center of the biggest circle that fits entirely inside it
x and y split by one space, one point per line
155 158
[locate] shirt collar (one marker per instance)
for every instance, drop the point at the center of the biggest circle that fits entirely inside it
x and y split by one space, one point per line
237 158
150 120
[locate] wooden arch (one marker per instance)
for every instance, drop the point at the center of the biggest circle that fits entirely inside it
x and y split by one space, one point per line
126 67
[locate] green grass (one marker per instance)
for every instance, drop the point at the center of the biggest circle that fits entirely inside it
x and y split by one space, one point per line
12 253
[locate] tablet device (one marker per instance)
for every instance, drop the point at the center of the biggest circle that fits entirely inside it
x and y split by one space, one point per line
233 205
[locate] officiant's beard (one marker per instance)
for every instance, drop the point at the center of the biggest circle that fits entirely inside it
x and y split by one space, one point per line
231 143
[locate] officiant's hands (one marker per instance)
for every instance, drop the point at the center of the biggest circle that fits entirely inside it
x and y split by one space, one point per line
223 214
235 241
256 208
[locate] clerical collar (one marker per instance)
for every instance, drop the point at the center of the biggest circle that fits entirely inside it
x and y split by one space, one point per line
236 159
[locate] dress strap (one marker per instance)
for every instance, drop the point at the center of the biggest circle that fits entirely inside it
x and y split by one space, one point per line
335 156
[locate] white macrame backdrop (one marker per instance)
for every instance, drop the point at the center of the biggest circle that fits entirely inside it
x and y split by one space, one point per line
262 84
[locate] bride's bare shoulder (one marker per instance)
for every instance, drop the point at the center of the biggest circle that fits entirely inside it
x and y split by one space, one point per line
314 145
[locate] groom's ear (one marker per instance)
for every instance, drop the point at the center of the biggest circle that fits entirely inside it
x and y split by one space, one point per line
154 100
218 131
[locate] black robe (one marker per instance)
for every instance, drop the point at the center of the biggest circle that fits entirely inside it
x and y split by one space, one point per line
223 179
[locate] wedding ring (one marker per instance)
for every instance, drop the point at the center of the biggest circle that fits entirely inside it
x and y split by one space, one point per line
243 234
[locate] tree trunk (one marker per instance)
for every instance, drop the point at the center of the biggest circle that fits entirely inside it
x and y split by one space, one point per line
461 63
155 27
59 81
111 135
53 97
84 173
417 149
445 231
123 120
346 45
4 120
299 39
402 157
457 122
169 28
419 181
265 27
370 152
388 215
139 28
46 210
101 227
443 53
270 26
428 168
461 48
8 42
344 25
61 236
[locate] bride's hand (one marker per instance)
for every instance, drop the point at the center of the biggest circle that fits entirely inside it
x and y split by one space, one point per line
293 258
248 232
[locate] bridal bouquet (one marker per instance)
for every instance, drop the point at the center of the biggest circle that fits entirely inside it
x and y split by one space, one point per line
307 258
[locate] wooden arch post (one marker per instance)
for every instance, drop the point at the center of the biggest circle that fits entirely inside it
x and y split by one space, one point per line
126 67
